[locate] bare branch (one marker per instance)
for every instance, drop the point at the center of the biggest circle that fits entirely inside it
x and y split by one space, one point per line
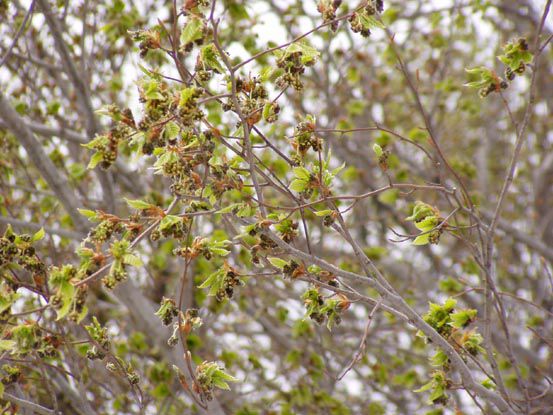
35 408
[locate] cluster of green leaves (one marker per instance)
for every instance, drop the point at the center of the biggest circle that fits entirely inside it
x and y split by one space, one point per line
100 337
318 181
320 309
67 299
222 282
167 311
364 20
439 384
18 251
209 375
122 255
515 57
99 349
292 62
444 318
452 325
427 219
382 156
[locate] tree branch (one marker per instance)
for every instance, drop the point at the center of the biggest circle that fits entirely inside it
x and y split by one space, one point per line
83 95
35 408
47 169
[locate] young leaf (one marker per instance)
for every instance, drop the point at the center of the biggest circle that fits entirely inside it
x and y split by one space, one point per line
298 185
427 224
462 318
138 204
302 173
67 295
229 208
210 58
133 260
168 222
89 214
423 239
277 262
324 212
38 235
171 130
192 30
95 160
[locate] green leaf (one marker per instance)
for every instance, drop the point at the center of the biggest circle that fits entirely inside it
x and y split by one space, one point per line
67 294
185 96
277 262
476 71
267 110
210 58
427 224
229 208
486 77
89 214
302 173
169 221
82 314
95 160
221 384
133 260
377 150
462 317
337 170
423 239
7 298
436 394
449 304
298 185
214 282
370 22
138 204
424 388
309 53
324 212
439 359
38 235
421 211
245 210
97 142
152 91
488 384
219 251
171 130
193 30
225 376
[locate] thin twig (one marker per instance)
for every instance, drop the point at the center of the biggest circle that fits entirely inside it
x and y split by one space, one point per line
363 344
18 34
